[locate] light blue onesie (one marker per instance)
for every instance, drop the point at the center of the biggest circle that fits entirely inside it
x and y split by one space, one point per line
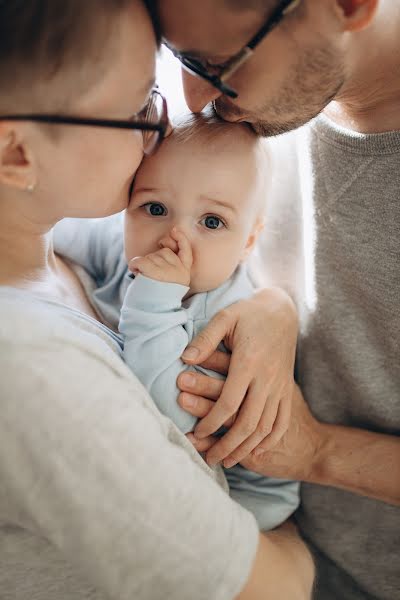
157 326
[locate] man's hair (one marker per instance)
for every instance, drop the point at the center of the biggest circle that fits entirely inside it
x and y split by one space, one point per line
39 38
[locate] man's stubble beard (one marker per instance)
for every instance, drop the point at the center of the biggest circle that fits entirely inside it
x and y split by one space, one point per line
313 82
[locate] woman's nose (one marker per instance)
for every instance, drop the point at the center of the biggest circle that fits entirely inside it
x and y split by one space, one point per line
198 92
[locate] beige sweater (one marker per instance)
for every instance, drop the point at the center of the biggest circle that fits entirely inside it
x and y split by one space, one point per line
101 496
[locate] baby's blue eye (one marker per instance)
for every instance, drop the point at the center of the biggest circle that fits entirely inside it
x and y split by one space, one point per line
212 222
155 209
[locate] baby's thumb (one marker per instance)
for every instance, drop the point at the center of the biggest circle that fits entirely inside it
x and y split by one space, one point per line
168 242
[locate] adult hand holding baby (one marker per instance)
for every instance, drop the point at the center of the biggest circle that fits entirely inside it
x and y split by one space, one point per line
172 263
261 333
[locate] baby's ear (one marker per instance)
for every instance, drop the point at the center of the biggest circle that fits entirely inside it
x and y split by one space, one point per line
253 237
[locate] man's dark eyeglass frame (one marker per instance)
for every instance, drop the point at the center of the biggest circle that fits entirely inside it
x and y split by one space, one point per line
142 125
196 67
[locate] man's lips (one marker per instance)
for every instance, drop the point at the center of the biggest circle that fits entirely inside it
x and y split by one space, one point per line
230 113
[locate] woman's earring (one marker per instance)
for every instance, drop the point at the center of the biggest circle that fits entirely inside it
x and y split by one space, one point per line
30 187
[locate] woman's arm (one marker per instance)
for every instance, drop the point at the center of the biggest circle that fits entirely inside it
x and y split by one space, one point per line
290 572
89 464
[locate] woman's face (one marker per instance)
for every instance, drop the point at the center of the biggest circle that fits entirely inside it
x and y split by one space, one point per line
88 171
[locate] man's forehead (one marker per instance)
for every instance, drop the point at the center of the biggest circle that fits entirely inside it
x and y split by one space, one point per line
207 27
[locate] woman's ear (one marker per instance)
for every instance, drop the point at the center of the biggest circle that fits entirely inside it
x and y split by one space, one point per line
357 14
253 237
16 162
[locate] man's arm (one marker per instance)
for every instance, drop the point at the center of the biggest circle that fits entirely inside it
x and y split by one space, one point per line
360 461
290 574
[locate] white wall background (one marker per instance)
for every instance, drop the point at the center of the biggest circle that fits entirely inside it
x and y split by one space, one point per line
169 81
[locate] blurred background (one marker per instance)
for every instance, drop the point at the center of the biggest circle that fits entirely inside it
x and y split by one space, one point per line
169 80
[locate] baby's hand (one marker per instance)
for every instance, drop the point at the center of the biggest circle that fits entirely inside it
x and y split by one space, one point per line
167 264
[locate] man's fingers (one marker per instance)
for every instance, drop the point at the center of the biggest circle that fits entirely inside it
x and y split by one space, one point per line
231 398
184 248
265 425
195 405
246 432
199 407
201 445
201 385
280 427
206 342
218 361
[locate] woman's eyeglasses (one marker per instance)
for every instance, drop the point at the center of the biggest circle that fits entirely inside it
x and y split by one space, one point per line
152 121
217 75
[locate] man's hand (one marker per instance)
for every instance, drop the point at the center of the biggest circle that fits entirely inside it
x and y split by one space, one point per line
295 456
172 263
356 460
257 394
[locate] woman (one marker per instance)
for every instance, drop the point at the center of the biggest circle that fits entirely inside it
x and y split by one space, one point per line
100 496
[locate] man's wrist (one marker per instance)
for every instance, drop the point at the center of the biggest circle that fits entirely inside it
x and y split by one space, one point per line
319 471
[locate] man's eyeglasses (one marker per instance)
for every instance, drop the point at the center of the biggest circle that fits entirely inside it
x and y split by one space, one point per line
202 68
152 121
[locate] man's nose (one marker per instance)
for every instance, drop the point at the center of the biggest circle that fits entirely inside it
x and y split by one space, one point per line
198 92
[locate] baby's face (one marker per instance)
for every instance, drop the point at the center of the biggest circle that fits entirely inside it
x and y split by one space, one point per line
211 196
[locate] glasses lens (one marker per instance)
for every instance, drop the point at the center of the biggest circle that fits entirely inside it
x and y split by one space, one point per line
155 114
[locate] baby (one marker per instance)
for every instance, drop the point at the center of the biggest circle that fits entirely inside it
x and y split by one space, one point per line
195 214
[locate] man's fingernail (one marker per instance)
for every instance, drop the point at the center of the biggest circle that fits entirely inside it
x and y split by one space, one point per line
188 380
191 354
188 401
258 451
192 439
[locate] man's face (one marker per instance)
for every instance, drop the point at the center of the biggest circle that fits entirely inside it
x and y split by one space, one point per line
293 74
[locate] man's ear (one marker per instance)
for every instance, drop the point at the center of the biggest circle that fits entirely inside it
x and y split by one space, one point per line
16 162
253 237
357 14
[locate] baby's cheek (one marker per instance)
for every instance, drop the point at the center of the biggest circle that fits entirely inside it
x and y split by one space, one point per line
213 264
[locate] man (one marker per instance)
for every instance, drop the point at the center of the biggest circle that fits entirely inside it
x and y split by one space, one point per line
334 205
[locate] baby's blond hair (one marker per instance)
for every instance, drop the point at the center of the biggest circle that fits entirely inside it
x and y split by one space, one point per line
209 129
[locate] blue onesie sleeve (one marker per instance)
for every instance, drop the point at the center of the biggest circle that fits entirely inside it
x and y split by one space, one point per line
157 328
152 324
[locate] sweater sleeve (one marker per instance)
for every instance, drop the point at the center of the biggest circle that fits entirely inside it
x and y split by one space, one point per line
88 464
152 324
